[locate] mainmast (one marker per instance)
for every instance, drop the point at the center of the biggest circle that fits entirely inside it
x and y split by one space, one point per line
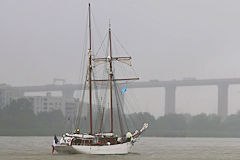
90 69
111 78
109 59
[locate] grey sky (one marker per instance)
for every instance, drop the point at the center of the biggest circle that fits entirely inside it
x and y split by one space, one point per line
170 39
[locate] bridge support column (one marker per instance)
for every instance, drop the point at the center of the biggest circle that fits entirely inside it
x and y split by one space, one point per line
68 93
223 100
170 94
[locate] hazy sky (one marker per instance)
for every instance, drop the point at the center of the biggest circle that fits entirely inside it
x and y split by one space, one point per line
168 39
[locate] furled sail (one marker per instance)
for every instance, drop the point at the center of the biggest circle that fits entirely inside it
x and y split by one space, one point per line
125 60
99 61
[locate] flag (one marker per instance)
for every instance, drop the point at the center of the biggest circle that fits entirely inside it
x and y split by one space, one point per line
124 89
55 138
55 141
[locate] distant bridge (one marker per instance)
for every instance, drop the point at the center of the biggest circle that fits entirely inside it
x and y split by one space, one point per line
170 90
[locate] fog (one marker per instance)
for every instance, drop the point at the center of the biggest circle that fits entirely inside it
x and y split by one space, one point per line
42 40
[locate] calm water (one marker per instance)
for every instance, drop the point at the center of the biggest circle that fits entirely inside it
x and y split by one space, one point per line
39 148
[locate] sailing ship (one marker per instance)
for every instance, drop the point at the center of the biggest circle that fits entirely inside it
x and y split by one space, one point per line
100 142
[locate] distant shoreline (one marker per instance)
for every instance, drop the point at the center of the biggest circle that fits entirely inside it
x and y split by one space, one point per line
142 136
18 119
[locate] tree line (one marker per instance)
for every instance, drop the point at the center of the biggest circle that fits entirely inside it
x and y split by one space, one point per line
18 119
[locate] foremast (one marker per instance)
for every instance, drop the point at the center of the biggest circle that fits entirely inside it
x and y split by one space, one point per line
90 68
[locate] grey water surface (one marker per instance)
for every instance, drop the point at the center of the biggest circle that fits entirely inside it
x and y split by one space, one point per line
39 148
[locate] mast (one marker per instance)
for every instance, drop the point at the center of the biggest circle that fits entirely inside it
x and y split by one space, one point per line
111 78
109 59
90 68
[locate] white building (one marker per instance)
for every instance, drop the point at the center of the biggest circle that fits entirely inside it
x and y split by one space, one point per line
7 95
49 103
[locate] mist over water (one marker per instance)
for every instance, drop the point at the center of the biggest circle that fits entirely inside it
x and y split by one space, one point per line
167 40
19 148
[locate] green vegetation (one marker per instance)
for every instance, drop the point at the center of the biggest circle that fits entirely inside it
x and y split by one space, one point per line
18 119
202 125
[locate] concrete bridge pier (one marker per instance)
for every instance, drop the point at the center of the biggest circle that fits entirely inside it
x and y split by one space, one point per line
223 100
170 97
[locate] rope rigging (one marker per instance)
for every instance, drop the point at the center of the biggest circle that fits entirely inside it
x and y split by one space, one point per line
101 101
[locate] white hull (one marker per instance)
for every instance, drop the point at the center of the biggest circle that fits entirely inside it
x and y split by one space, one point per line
100 150
124 147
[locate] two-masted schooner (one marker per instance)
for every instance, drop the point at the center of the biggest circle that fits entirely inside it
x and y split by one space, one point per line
101 142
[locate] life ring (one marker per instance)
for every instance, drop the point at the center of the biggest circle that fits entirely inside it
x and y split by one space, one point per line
69 140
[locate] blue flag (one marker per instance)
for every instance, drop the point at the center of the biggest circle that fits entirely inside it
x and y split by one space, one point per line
124 89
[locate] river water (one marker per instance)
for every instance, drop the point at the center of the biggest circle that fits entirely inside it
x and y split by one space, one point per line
39 148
